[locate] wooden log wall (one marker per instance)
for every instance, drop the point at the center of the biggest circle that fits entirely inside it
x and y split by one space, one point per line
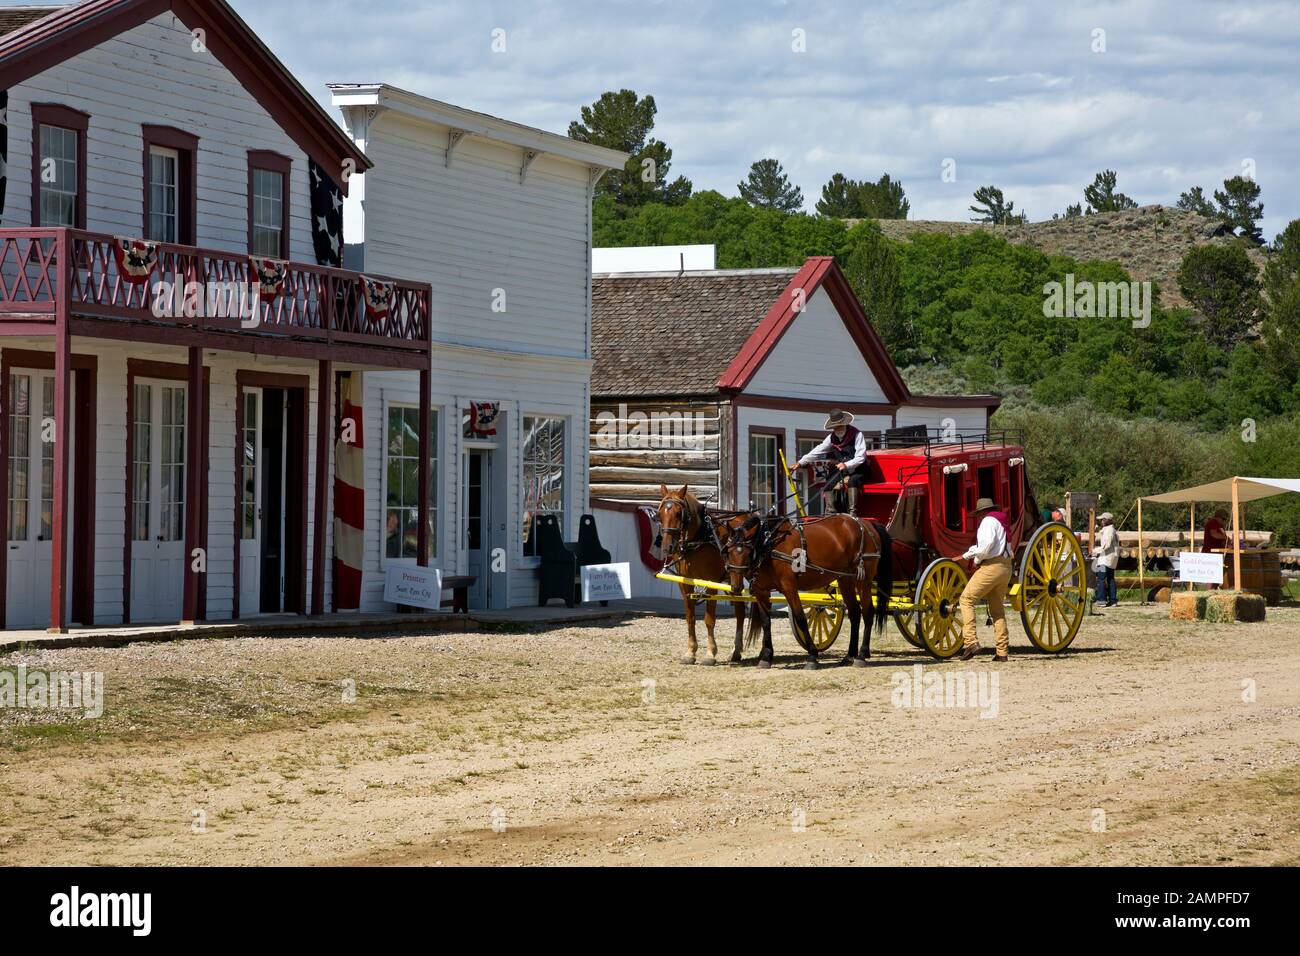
638 445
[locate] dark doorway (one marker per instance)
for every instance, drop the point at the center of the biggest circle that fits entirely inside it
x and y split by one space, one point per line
284 493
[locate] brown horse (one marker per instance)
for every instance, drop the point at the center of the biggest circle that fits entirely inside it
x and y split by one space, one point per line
691 550
789 555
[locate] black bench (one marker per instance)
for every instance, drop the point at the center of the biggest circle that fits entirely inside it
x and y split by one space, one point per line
459 586
562 562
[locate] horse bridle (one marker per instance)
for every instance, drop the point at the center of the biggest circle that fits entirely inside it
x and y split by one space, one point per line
675 552
756 548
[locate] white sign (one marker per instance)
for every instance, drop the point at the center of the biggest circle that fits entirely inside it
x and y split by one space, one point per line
1200 568
606 582
413 587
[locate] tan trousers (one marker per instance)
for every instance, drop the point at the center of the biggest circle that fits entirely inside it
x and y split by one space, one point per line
989 582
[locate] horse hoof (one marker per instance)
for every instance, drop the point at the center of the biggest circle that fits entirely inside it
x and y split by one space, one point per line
764 665
688 661
708 662
811 666
859 662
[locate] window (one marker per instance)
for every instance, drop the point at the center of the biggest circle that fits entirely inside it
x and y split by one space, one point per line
58 166
763 471
952 501
806 478
268 204
173 465
402 483
988 480
544 478
20 422
252 448
47 459
170 175
143 463
164 187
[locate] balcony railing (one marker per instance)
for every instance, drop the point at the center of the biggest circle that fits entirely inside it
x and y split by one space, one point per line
42 268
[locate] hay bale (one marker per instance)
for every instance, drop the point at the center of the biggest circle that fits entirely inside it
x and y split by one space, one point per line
1187 606
1226 607
1163 595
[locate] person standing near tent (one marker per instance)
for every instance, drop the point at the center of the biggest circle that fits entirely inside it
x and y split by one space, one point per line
1107 560
992 555
1216 534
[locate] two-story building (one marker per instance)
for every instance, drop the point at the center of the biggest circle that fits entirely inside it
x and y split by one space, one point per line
175 327
497 217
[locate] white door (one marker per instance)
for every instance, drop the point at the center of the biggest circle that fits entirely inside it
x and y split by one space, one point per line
31 499
158 508
476 513
250 545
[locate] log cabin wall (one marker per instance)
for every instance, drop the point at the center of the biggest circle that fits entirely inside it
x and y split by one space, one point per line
639 444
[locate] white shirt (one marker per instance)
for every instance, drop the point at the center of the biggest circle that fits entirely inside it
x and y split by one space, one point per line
823 452
991 542
1107 548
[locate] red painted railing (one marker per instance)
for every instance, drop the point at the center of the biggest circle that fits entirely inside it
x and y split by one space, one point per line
38 266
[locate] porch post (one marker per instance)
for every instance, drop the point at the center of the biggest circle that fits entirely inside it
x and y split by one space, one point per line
62 438
194 483
324 443
422 499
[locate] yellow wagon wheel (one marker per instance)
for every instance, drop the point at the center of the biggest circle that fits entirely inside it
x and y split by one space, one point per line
938 611
1053 588
905 621
825 621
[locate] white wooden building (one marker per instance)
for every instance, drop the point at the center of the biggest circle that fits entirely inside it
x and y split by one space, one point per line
496 216
702 378
168 458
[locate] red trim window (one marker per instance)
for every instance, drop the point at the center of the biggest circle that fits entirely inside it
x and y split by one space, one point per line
58 166
170 185
268 204
766 481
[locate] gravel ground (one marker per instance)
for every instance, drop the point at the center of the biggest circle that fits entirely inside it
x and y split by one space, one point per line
1150 742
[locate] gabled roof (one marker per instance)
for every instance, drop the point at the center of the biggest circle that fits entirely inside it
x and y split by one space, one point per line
12 18
40 43
671 334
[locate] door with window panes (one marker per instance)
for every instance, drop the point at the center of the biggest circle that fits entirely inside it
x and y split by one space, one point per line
158 501
30 409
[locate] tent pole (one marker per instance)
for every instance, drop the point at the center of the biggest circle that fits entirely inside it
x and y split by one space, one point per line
1190 585
1142 564
1236 536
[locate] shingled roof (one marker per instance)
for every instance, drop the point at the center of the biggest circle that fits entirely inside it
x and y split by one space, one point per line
665 334
14 18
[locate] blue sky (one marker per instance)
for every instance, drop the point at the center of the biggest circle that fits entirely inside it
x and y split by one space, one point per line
1184 93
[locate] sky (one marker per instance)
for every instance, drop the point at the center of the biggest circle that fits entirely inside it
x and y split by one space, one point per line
1033 97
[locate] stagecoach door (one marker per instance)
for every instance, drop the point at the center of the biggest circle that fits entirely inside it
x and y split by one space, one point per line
158 501
30 408
476 514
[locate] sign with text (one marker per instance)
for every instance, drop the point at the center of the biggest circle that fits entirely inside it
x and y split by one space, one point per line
606 582
413 587
1200 568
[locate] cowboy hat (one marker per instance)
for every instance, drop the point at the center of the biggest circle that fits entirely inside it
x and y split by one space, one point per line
985 504
1106 516
838 419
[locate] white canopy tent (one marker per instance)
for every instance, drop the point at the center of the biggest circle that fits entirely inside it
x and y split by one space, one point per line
1237 490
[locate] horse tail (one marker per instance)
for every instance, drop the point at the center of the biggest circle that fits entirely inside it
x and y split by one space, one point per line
754 630
884 577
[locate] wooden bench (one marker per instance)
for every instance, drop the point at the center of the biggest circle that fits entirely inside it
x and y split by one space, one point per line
459 586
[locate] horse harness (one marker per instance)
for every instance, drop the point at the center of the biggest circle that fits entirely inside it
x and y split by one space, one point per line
772 529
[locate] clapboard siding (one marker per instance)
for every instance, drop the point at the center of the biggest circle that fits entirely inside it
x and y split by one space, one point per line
151 74
472 228
940 420
817 360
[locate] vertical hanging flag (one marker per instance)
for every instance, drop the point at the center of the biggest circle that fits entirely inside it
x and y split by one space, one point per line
326 217
4 149
349 495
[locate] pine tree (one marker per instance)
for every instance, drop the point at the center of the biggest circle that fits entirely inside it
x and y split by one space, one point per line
990 206
768 187
1239 207
1102 197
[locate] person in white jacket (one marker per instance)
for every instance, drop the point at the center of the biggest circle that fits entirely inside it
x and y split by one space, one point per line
992 555
1107 560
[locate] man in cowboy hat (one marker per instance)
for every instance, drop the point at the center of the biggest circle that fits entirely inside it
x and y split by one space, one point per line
992 556
1106 560
847 447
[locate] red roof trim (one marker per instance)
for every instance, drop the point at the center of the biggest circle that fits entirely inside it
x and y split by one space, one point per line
65 33
817 272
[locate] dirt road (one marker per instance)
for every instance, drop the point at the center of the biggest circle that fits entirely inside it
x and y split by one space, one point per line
1151 742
